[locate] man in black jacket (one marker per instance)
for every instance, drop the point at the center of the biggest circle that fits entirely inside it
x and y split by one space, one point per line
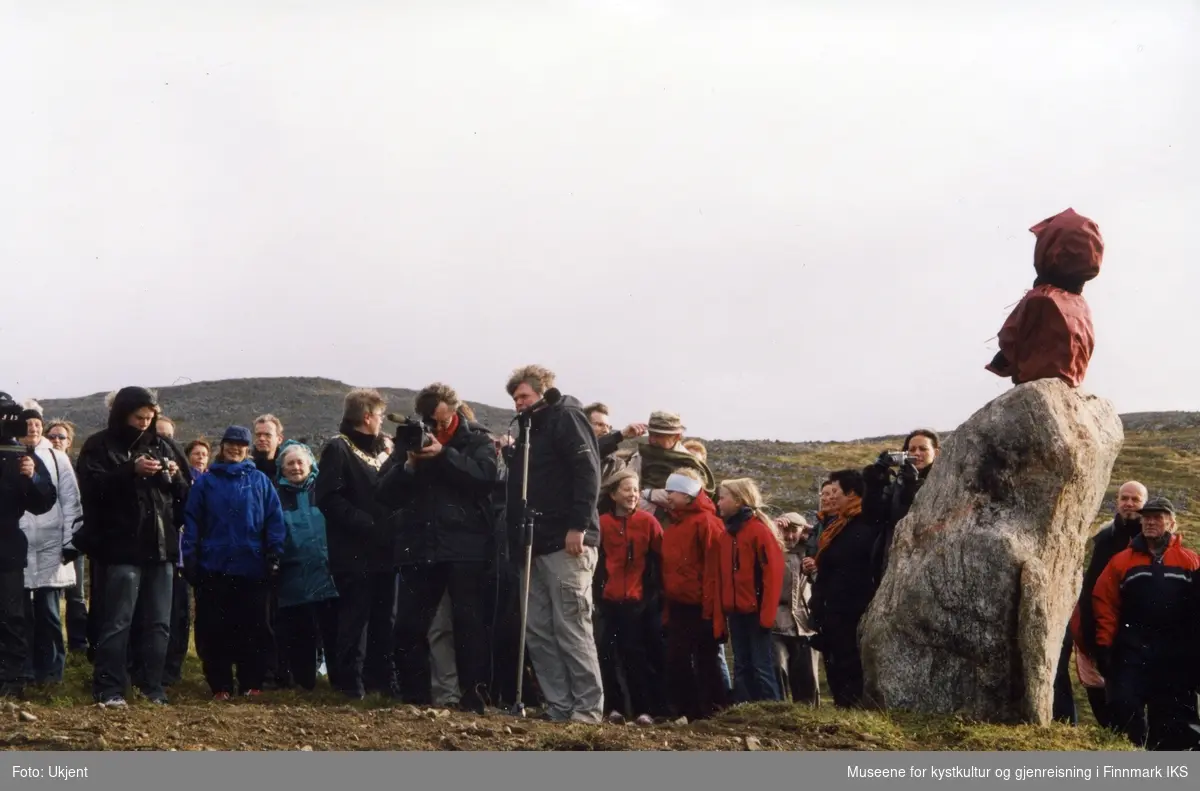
1111 539
563 489
444 495
24 486
133 491
361 554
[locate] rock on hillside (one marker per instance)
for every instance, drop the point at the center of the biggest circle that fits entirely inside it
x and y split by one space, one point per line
984 571
308 407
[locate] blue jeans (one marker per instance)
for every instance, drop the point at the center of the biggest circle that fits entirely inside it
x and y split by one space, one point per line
724 666
754 675
125 587
46 654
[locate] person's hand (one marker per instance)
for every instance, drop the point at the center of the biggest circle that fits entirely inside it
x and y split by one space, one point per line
781 523
504 440
427 452
172 468
27 467
808 565
574 545
909 472
634 430
146 466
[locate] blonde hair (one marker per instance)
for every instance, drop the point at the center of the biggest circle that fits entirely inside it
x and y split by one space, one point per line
269 418
745 492
65 424
537 377
610 485
688 472
696 448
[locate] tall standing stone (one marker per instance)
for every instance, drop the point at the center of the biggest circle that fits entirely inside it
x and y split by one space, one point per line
985 569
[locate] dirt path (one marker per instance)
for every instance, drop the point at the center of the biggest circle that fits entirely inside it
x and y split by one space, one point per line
274 726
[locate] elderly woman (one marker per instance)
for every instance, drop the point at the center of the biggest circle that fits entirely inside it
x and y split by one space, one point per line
50 568
232 542
61 434
307 597
795 659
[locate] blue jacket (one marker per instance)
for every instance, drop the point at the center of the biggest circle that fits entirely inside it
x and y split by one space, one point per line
304 570
234 513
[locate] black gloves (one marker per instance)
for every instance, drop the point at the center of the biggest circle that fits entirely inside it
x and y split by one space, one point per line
909 473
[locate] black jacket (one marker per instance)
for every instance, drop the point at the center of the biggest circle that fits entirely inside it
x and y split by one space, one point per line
129 519
1113 538
845 584
445 503
355 524
564 478
887 500
19 495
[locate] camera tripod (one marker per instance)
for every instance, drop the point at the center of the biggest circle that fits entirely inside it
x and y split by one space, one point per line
528 518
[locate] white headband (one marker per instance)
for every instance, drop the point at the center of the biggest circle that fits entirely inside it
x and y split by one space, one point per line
683 484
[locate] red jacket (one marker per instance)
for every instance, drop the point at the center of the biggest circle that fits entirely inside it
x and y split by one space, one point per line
745 573
1049 334
1138 602
686 545
625 542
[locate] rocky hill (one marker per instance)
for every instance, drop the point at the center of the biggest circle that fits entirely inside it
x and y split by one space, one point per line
1162 449
310 408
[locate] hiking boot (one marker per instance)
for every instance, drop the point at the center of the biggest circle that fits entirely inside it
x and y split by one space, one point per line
644 720
221 697
252 693
616 718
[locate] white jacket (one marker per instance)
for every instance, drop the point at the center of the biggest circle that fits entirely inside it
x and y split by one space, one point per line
47 533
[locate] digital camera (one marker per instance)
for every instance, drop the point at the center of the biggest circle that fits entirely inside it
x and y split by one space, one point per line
895 458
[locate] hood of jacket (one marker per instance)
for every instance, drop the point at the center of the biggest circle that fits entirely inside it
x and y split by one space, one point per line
127 401
1069 249
312 476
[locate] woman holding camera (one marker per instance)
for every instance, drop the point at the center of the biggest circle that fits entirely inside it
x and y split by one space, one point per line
232 542
889 495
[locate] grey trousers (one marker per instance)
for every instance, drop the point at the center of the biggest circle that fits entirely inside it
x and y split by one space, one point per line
560 638
443 670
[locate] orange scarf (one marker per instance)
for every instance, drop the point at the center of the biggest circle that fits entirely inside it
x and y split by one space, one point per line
853 508
444 437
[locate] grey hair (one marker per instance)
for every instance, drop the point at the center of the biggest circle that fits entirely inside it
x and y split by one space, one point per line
298 448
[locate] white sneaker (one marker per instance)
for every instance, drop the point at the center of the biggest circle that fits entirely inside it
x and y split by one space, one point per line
616 718
322 670
117 702
644 720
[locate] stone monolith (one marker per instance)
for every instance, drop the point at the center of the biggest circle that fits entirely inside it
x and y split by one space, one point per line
984 571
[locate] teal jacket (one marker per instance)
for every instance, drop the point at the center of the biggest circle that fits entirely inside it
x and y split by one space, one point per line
304 576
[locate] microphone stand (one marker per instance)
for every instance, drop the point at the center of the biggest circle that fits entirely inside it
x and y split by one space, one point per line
528 517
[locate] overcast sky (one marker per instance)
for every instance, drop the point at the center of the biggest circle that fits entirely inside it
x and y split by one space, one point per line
780 222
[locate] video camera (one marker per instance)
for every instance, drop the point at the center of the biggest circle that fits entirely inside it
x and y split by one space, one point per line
412 435
12 427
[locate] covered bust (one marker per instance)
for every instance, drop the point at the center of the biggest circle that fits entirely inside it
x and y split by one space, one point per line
1049 334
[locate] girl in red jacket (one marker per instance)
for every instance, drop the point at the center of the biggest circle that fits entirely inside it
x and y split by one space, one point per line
630 551
696 687
746 572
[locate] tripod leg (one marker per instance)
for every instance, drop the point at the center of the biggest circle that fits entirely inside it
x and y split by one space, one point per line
519 705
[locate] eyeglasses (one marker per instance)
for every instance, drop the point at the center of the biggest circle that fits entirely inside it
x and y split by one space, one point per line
56 436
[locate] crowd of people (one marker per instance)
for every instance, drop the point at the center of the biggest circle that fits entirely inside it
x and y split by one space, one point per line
395 565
